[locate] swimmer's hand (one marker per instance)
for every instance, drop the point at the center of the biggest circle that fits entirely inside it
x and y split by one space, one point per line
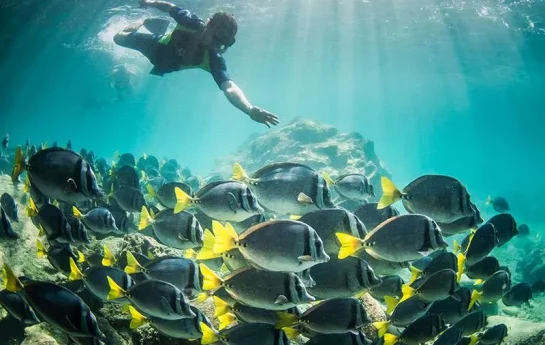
262 116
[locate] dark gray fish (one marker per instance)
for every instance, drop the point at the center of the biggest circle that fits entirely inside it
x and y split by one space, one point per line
328 222
453 308
126 159
166 195
472 322
79 233
476 246
493 335
506 227
371 216
39 199
483 269
61 174
349 205
441 262
518 295
408 311
352 186
245 224
148 162
55 224
538 286
17 307
6 231
8 204
234 260
440 197
127 176
245 314
69 144
177 230
59 256
463 224
499 204
390 286
492 289
523 230
420 331
287 188
122 259
99 220
102 167
342 278
170 171
130 199
96 281
383 267
247 334
449 337
155 298
339 339
5 142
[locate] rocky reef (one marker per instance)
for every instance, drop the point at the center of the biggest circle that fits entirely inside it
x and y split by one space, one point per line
319 146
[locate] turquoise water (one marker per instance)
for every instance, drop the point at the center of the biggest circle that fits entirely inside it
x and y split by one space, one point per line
451 87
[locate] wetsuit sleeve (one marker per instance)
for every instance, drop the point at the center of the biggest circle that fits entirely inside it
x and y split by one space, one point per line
185 18
218 69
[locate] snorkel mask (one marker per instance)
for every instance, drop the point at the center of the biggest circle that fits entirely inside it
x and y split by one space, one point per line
224 27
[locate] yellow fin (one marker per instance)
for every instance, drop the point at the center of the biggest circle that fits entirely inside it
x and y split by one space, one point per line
40 251
291 333
151 191
478 282
488 200
390 339
295 217
382 327
190 254
475 296
75 272
474 339
203 296
32 210
328 179
210 280
408 292
207 250
391 193
225 237
115 290
137 319
81 257
133 265
226 320
41 231
302 198
18 165
461 266
10 280
221 307
26 187
391 304
208 335
456 247
145 219
239 174
286 320
224 269
182 200
150 255
109 258
415 273
349 244
77 213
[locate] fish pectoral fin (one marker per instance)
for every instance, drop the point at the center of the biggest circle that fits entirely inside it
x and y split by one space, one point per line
281 300
232 202
70 323
304 199
181 237
71 185
305 258
166 306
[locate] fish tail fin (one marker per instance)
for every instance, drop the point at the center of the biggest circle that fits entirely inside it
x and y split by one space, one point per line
478 282
115 290
75 272
391 304
109 257
77 213
137 319
407 291
41 231
182 200
239 174
391 193
133 265
203 296
415 273
461 266
145 219
475 296
390 339
295 217
151 190
211 281
474 339
226 320
349 244
26 187
488 200
18 165
40 249
207 250
208 335
456 247
10 280
286 320
382 327
190 254
328 179
291 333
226 237
221 307
81 257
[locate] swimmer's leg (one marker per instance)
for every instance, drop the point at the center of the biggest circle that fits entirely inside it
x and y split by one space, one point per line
122 38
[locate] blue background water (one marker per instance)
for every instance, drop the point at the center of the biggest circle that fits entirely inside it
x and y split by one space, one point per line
451 87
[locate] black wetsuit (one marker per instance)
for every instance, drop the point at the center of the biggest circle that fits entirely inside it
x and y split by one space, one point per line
179 49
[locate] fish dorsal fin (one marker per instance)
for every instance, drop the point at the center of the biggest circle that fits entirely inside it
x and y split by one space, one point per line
277 166
302 198
209 186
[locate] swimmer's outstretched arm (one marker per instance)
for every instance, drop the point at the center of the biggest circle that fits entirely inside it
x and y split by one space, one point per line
236 96
162 6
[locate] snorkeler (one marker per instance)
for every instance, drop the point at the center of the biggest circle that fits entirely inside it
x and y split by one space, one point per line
192 44
121 79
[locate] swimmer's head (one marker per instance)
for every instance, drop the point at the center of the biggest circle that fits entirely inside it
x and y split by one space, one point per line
220 31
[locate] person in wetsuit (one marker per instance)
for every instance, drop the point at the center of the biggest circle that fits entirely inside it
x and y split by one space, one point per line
192 44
